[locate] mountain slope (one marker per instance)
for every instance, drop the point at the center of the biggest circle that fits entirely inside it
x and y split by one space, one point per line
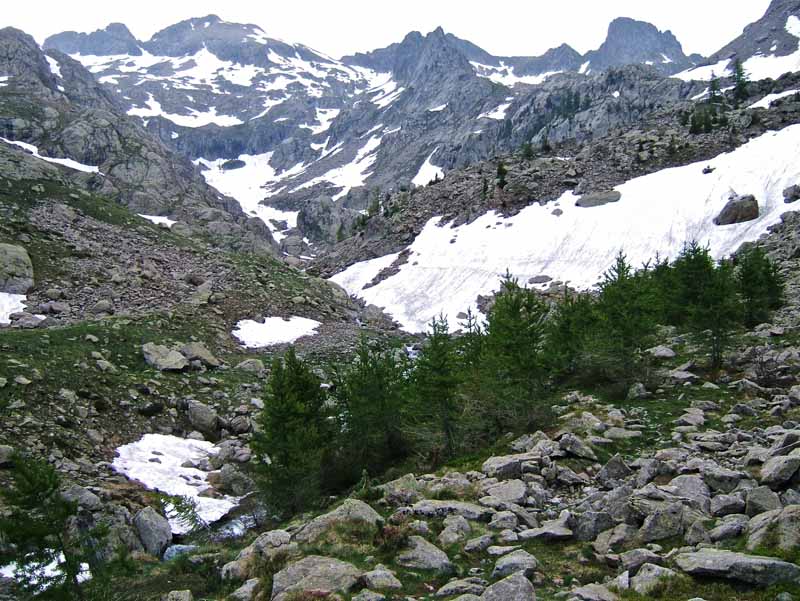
227 96
50 105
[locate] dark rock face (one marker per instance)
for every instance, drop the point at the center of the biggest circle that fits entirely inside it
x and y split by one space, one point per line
432 97
54 103
598 199
635 42
114 39
738 210
767 36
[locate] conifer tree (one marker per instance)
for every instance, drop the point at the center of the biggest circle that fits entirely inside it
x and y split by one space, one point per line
37 528
569 330
713 318
760 285
626 314
292 438
740 80
502 171
714 92
513 352
370 392
433 415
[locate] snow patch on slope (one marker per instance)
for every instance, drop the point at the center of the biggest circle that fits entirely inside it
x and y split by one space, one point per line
427 172
10 304
504 74
274 330
767 101
657 213
351 175
167 474
63 162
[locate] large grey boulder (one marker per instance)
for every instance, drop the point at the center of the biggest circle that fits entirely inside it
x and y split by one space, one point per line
738 210
650 577
381 578
761 499
16 269
514 588
195 351
613 472
351 511
154 531
314 573
246 592
598 199
516 561
779 528
422 555
202 417
431 508
791 194
754 569
514 491
163 358
779 470
504 467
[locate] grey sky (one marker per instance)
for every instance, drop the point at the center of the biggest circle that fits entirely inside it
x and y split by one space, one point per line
345 26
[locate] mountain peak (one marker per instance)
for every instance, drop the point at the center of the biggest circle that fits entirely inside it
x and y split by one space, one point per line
115 39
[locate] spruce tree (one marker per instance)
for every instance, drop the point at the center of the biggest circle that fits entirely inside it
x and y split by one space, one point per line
626 319
740 80
760 286
37 528
714 92
370 394
569 330
502 171
292 437
713 318
514 353
433 415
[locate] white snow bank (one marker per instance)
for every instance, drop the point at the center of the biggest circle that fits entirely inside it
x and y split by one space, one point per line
765 102
158 220
249 185
351 175
427 172
157 462
657 213
195 119
504 74
499 113
10 304
274 330
757 67
63 162
438 109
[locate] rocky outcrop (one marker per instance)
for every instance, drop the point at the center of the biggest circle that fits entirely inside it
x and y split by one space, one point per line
738 210
154 531
314 573
758 570
16 269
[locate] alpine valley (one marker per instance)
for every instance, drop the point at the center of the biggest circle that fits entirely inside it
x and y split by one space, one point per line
416 323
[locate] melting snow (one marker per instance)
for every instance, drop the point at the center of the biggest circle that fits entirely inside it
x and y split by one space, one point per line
10 304
499 113
351 175
159 220
657 213
427 172
325 118
168 475
248 186
765 102
64 162
55 68
584 68
437 109
274 330
505 74
196 119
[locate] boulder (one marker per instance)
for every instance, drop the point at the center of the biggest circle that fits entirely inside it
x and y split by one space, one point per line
154 531
550 530
779 470
16 269
194 351
592 592
381 578
456 528
516 561
598 199
351 511
753 569
636 558
514 491
185 595
507 466
314 573
202 417
791 194
649 578
661 352
431 508
465 586
573 445
761 499
613 472
422 555
162 358
513 588
663 523
739 209
779 528
246 592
